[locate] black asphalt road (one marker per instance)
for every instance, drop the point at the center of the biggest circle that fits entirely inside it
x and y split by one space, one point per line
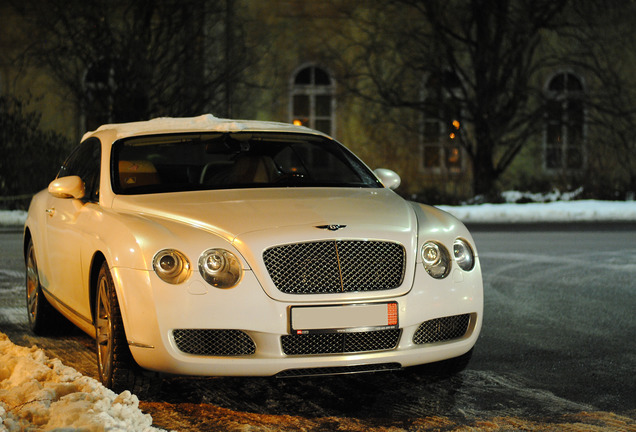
558 338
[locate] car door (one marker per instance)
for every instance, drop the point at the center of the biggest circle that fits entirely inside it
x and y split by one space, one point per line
70 223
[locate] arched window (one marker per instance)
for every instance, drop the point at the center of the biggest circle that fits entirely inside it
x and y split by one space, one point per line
564 123
98 95
442 124
312 99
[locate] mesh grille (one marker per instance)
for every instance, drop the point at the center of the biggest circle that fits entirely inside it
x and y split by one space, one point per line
338 343
328 267
214 342
442 329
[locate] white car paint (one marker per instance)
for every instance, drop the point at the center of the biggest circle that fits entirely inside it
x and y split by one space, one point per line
128 230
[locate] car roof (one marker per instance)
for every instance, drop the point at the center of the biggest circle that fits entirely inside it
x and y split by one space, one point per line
203 123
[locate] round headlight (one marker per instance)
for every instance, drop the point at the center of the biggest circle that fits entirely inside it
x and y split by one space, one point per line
171 266
436 259
464 256
220 268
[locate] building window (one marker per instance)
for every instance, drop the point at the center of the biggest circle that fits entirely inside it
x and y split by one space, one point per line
442 123
564 123
98 95
312 99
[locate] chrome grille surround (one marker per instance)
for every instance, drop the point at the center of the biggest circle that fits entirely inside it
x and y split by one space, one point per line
340 343
336 266
442 329
211 342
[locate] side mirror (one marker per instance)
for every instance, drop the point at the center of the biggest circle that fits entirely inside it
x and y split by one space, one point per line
67 187
389 179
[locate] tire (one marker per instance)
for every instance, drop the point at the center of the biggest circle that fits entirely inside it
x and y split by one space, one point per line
116 366
445 368
450 367
43 319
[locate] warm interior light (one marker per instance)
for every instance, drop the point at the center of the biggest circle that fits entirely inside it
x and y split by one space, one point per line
453 158
297 122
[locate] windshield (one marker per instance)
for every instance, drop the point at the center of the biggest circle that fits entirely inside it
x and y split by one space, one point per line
185 162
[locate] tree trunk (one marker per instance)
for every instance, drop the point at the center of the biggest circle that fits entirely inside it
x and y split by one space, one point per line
484 175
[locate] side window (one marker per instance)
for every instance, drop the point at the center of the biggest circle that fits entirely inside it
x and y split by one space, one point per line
85 162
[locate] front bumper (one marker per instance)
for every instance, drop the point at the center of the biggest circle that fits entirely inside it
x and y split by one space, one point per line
153 310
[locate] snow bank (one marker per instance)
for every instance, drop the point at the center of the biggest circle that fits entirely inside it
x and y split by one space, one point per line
558 211
37 393
12 217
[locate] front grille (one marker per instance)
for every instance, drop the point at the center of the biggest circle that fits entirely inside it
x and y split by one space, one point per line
335 266
211 342
442 329
340 343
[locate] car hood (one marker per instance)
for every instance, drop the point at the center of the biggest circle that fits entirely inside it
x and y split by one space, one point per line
239 213
254 220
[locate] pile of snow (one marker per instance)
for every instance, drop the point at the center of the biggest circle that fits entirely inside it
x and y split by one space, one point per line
512 197
557 211
12 217
37 393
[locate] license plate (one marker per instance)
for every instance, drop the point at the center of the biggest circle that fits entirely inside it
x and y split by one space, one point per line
343 318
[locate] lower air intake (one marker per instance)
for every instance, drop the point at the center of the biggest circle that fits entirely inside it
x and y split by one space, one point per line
442 329
209 342
339 343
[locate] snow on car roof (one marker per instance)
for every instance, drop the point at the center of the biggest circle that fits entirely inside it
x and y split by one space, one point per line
203 123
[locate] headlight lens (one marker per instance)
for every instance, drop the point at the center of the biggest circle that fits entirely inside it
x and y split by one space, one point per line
436 259
171 266
220 268
464 256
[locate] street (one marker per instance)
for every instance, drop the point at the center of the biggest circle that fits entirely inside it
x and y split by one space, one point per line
557 340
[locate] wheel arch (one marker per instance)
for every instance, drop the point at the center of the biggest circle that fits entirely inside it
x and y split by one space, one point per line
96 264
25 242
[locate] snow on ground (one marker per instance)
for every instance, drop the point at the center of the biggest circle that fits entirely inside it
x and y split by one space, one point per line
38 393
557 211
12 217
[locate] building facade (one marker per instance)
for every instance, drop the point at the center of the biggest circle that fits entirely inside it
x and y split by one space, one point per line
298 73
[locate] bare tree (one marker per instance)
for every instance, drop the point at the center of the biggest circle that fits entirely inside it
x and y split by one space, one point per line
471 62
30 155
135 59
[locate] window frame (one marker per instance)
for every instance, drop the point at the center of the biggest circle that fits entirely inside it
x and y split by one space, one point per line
94 111
313 91
564 101
443 143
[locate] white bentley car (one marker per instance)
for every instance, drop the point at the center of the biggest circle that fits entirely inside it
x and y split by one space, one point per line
204 246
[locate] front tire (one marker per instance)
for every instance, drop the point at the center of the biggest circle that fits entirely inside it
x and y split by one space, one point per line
115 364
43 319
